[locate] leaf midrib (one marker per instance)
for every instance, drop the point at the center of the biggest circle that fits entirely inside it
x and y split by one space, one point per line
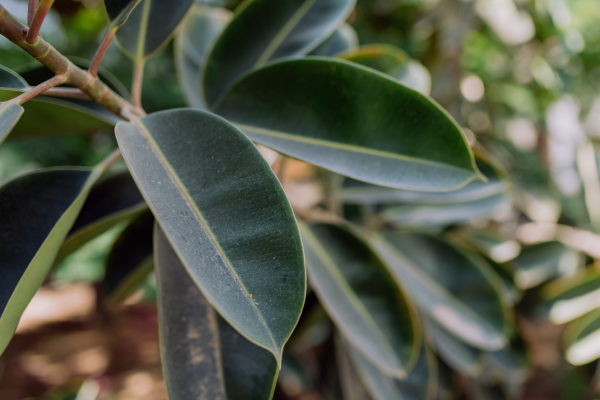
284 32
192 205
348 147
331 267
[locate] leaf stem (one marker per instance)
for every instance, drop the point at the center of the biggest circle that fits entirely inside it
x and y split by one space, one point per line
15 31
31 10
72 93
136 86
38 19
93 70
41 88
110 160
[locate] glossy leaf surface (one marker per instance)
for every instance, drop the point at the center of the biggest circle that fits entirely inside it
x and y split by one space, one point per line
384 133
47 116
541 262
394 62
10 113
343 39
361 297
459 292
150 26
572 297
265 30
225 214
118 10
199 31
36 213
111 201
441 215
460 356
204 358
420 384
582 338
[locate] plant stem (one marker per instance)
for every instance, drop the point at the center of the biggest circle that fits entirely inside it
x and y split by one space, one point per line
15 31
41 88
93 70
136 86
31 10
110 159
38 19
72 93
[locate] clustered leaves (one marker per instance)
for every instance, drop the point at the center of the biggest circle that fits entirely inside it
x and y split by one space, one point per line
205 211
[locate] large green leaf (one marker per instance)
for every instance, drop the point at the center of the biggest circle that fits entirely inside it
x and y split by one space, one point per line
10 113
582 339
203 356
572 297
463 358
351 120
458 290
543 261
118 10
36 213
362 298
46 116
150 26
394 62
265 30
344 38
199 31
420 384
111 201
225 214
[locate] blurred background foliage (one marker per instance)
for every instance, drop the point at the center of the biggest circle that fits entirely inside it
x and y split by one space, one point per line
523 79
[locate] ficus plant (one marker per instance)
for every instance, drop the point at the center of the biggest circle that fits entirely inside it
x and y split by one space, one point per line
205 211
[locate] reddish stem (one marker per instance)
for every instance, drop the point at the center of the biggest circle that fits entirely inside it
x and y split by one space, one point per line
72 93
136 86
38 19
93 70
31 10
41 88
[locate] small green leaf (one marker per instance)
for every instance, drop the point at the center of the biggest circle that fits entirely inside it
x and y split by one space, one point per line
204 358
198 33
118 10
344 38
225 214
461 357
265 30
111 201
573 296
47 116
362 298
420 384
391 61
456 289
150 26
582 338
130 252
379 132
10 113
541 262
36 212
